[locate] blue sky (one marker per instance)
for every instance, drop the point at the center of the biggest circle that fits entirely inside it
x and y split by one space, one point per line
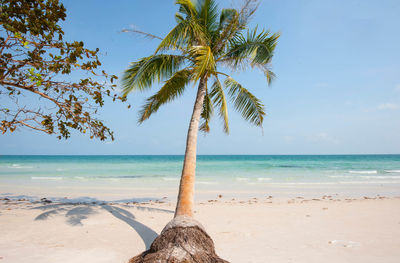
337 89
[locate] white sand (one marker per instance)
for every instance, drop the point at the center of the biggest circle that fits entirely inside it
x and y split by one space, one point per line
314 231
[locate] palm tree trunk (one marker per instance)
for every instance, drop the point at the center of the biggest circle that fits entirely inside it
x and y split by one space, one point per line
185 201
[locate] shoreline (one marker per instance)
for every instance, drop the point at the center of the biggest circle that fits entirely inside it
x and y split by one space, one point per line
6 198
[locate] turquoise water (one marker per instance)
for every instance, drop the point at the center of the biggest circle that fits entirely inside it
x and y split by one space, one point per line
130 176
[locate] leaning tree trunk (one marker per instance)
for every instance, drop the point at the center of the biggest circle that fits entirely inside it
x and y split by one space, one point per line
184 239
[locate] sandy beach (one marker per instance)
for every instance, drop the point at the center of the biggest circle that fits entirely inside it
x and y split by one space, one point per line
325 229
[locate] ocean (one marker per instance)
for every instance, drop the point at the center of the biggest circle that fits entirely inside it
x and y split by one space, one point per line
235 176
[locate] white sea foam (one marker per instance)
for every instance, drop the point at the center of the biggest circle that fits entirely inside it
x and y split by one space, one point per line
18 166
263 179
392 171
46 178
379 177
340 176
364 172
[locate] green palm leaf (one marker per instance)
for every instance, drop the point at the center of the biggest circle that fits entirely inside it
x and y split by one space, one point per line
177 38
256 49
218 97
227 17
141 74
245 102
232 22
206 114
172 88
203 60
187 7
208 15
228 27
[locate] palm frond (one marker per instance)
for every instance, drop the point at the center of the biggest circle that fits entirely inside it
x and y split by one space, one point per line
186 33
226 17
139 32
228 27
141 74
208 15
245 102
256 49
206 114
177 38
187 7
217 95
172 88
232 22
203 60
267 72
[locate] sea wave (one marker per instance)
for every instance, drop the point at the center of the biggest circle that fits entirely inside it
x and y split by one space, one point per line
392 171
363 172
379 177
46 178
18 166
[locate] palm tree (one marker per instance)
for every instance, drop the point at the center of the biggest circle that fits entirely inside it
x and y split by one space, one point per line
204 40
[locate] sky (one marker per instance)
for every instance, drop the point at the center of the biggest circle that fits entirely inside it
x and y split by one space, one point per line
337 89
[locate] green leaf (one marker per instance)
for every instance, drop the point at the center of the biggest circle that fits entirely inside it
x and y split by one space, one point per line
206 114
172 88
218 97
204 63
256 49
142 74
245 102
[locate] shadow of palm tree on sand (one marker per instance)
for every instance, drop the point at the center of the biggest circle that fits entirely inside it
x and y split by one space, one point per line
75 213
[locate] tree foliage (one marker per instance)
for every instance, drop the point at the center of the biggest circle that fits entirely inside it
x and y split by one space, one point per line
204 40
36 64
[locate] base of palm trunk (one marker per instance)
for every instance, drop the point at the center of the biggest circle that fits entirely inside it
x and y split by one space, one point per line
182 240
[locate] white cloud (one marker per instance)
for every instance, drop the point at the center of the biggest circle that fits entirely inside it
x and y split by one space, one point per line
388 106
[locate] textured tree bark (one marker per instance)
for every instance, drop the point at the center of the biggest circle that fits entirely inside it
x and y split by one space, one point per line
184 240
185 201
